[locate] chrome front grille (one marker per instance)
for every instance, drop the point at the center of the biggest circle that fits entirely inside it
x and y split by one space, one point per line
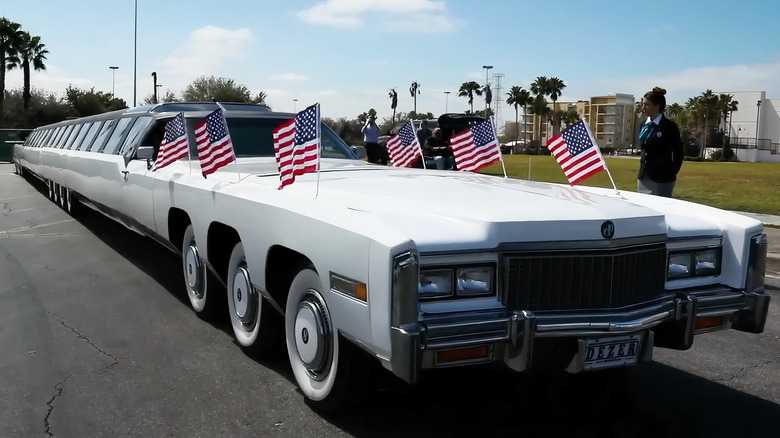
584 279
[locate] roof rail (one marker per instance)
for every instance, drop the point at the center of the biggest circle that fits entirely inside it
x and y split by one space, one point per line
198 106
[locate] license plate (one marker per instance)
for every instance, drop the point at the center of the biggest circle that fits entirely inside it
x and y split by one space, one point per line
612 351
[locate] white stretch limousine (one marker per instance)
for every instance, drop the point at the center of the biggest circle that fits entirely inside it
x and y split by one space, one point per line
416 269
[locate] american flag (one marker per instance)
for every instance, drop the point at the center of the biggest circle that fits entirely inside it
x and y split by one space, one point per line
214 146
404 148
475 147
174 145
297 145
577 153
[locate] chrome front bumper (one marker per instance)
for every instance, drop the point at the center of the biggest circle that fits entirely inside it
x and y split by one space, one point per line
669 321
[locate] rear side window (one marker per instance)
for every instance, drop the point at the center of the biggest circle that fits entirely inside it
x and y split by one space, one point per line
122 127
65 136
82 133
134 136
90 138
105 132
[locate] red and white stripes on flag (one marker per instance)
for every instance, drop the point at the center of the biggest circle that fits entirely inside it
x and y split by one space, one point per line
297 145
215 149
403 147
174 145
577 152
476 147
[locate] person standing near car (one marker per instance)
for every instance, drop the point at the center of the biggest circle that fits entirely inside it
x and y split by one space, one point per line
424 133
371 141
662 151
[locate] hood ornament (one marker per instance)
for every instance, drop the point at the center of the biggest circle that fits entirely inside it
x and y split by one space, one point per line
607 230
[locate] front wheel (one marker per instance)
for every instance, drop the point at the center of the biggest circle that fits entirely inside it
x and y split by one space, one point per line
329 370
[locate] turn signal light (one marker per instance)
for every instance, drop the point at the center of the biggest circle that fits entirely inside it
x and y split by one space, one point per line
708 322
469 354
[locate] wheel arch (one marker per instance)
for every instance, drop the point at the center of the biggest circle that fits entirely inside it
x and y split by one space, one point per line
178 220
281 268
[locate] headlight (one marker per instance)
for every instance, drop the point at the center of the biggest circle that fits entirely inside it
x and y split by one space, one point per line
435 283
475 281
466 281
694 263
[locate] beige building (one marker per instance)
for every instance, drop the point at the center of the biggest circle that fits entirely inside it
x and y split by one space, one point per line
611 118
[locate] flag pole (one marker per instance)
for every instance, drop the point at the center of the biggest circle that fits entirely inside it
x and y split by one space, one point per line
422 156
590 134
500 155
319 144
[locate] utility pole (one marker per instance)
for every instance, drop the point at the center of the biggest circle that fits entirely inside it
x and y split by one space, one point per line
154 75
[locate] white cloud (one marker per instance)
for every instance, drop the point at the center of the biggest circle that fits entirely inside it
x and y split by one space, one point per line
206 50
290 77
421 16
684 84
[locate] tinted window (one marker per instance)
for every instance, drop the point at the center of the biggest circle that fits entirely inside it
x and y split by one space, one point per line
55 137
90 138
253 137
84 127
108 126
134 137
73 133
65 136
122 127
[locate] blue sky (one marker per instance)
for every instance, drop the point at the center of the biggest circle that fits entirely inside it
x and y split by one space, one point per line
347 54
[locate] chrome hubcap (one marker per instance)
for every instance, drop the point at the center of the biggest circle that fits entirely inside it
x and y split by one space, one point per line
193 270
244 297
313 336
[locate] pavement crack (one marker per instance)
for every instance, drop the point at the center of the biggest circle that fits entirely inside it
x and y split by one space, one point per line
114 359
50 404
745 369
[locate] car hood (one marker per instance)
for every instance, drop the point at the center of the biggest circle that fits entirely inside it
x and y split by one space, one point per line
446 210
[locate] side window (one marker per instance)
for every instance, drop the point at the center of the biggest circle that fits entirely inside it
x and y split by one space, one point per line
55 137
134 136
73 134
65 134
90 137
82 133
122 127
105 131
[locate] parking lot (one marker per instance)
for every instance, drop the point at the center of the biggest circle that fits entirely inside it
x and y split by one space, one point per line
97 339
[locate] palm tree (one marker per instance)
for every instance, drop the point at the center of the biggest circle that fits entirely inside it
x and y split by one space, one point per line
519 97
539 88
31 53
9 42
539 107
468 89
732 107
674 110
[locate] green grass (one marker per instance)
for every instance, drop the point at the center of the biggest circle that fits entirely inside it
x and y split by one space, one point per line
750 187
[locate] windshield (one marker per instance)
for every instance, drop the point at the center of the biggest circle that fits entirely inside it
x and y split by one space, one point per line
253 137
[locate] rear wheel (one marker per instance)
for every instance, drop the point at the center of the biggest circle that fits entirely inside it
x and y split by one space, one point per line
196 276
255 325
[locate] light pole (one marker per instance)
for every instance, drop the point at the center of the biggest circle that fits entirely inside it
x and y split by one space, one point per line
295 105
446 101
487 69
113 79
135 54
758 113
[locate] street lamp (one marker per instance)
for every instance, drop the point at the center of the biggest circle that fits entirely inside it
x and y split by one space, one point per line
446 100
295 105
487 69
113 79
758 113
135 54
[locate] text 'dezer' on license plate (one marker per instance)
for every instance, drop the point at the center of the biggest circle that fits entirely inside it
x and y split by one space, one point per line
612 351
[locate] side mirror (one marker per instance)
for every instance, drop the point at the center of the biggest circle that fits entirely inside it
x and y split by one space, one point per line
145 153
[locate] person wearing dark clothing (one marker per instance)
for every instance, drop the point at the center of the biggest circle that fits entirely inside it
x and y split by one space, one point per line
662 151
424 133
437 151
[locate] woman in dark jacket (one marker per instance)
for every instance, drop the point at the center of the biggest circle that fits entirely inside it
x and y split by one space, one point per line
662 151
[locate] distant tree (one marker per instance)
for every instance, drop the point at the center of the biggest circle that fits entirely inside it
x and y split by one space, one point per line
30 54
86 103
519 97
539 89
169 96
554 88
45 108
207 89
10 37
468 89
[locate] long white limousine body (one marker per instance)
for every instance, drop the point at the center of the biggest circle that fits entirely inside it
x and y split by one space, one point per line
416 269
